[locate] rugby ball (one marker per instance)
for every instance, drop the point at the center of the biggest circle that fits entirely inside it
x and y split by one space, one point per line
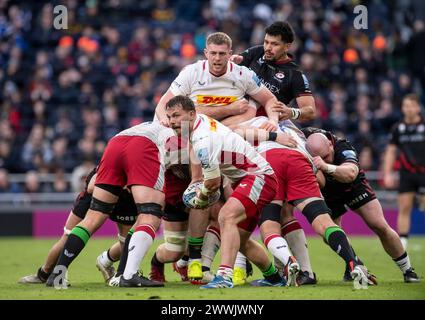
190 193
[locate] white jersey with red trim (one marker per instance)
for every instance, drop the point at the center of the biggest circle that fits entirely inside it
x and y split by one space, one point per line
196 82
218 147
286 126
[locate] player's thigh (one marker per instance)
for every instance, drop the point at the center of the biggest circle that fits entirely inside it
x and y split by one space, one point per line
143 194
232 211
371 212
287 213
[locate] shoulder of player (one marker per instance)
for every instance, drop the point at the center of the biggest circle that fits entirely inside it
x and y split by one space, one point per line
346 150
255 51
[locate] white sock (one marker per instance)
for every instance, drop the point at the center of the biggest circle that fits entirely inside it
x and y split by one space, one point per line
105 261
278 247
403 262
210 247
240 261
182 263
225 271
295 237
140 242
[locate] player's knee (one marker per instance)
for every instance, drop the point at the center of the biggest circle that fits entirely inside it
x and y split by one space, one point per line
150 208
175 242
101 206
271 212
228 217
314 209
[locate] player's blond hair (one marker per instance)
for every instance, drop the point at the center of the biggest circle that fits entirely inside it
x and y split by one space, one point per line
219 38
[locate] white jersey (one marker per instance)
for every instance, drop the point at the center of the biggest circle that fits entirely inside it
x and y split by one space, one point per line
286 126
163 137
196 82
218 147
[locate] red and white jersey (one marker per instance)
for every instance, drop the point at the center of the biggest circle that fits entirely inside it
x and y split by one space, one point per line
164 138
286 126
196 82
218 147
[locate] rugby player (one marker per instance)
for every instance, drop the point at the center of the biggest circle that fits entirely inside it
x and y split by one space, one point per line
276 69
407 137
218 89
134 158
346 185
124 214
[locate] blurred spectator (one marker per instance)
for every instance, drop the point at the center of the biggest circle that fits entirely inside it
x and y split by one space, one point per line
5 185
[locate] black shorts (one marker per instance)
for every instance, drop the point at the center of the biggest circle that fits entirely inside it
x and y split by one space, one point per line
411 182
175 213
125 211
358 195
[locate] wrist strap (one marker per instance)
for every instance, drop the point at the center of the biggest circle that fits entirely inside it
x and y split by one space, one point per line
296 113
272 136
330 169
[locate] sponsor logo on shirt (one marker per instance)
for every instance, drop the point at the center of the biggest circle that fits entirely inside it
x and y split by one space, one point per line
215 100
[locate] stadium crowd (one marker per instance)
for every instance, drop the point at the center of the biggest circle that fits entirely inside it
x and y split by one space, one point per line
64 93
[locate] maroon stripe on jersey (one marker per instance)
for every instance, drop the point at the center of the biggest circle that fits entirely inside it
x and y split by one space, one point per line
203 66
238 160
231 66
406 163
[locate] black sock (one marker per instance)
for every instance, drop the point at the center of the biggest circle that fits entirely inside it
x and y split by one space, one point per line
124 254
42 275
404 235
357 259
155 262
195 247
337 240
74 245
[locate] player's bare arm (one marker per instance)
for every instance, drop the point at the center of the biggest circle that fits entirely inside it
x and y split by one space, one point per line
346 172
389 159
160 108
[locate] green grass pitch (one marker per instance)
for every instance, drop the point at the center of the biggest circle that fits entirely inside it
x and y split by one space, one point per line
22 256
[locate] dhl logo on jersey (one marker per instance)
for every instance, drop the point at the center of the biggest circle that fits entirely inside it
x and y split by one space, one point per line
215 100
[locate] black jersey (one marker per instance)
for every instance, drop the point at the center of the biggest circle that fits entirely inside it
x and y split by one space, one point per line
284 79
343 152
410 140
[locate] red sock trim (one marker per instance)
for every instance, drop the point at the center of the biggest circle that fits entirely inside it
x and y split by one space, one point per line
223 266
270 237
146 228
215 231
291 226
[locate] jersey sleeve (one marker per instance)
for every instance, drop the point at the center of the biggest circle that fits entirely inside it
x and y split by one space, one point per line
345 152
252 84
249 56
182 84
394 137
207 150
300 85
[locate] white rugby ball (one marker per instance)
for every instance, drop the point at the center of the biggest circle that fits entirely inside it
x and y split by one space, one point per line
190 193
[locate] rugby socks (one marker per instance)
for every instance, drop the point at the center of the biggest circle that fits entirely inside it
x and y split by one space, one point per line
278 247
295 237
210 247
124 254
106 260
225 271
195 247
74 245
42 275
240 261
337 240
140 243
403 262
271 274
183 261
404 240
